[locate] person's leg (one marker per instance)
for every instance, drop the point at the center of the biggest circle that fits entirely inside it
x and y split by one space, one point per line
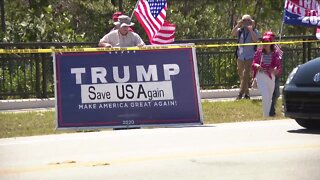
246 78
265 86
240 68
271 85
275 96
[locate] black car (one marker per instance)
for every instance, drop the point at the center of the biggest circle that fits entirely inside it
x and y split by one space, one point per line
301 94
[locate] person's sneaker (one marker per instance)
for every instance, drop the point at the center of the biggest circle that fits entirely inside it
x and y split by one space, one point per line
246 96
239 97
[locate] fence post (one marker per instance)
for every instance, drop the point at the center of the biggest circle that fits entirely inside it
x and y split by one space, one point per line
38 92
3 20
2 76
304 50
309 51
44 76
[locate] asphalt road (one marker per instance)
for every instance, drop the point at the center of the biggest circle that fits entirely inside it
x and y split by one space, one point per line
252 150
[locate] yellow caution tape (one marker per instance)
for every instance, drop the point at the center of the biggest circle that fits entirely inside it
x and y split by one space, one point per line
99 49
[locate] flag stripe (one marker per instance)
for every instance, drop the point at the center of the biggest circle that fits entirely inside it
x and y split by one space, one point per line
165 35
146 16
152 18
145 25
164 38
162 16
168 28
161 41
150 28
167 31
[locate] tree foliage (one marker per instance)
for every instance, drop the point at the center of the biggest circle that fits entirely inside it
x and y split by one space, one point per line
89 20
38 23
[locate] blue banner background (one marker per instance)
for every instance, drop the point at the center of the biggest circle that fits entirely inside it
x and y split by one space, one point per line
296 20
185 110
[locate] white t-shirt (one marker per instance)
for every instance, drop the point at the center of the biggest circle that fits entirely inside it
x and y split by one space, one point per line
118 40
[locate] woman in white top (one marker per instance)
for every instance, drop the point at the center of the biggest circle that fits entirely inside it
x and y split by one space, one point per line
265 65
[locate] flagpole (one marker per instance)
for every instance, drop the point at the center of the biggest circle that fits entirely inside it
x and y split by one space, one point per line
281 29
282 23
134 9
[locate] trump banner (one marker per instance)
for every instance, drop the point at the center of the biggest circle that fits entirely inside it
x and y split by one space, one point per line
123 89
302 12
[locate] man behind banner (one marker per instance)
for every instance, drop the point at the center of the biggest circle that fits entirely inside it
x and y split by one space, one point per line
122 37
246 33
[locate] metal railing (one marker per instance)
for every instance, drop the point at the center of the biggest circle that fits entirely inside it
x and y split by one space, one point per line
31 75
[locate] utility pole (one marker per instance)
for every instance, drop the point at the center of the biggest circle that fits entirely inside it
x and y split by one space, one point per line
3 21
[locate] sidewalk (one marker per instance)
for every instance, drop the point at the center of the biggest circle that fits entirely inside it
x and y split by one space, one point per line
211 95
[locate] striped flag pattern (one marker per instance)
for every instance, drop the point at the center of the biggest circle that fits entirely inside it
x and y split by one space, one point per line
277 47
152 16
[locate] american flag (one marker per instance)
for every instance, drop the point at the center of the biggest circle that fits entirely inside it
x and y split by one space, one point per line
152 16
277 47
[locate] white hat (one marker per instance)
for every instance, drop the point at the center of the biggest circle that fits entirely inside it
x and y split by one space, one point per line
246 16
123 21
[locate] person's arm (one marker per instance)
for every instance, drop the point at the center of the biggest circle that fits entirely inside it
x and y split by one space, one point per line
104 42
256 61
253 34
138 41
235 30
278 65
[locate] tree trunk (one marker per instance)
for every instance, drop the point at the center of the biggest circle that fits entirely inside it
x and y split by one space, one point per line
257 9
232 15
3 21
120 5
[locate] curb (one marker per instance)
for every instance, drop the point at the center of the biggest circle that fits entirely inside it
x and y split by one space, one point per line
27 104
50 102
225 93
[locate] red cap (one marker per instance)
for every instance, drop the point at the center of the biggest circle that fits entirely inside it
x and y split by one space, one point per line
269 33
267 38
115 16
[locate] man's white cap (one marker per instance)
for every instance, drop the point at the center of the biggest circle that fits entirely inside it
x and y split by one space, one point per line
123 21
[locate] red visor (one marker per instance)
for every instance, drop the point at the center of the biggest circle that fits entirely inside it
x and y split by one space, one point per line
116 15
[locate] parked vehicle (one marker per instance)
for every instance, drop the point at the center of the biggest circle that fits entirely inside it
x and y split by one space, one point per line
301 94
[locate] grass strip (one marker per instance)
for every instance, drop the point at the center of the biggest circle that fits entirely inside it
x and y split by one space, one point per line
15 124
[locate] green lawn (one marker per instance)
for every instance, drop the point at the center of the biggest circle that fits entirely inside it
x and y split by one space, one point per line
234 111
43 122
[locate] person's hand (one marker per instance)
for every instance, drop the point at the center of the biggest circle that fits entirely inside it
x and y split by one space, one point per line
259 68
107 45
276 71
240 23
140 45
253 23
250 28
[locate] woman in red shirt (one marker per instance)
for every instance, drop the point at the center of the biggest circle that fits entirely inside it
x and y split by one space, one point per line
265 65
